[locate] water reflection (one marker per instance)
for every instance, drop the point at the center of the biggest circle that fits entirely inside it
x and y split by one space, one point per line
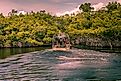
6 52
73 65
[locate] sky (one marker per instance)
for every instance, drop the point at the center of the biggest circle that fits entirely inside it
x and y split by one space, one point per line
57 7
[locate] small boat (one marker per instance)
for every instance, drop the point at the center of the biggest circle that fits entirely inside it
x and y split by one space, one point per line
61 42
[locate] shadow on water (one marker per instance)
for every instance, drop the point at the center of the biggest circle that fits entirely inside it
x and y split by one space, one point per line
101 49
6 52
73 65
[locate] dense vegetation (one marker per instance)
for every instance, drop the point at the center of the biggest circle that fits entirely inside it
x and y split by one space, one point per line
92 28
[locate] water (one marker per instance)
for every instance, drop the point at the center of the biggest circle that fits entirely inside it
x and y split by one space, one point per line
6 52
73 65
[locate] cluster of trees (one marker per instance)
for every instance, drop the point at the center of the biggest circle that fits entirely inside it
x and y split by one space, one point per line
92 28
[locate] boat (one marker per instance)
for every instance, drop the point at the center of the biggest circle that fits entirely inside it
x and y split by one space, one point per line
61 42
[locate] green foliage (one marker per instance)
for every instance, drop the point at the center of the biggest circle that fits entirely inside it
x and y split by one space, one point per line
35 29
113 6
86 7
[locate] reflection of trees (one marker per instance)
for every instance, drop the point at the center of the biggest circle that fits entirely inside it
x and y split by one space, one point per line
5 53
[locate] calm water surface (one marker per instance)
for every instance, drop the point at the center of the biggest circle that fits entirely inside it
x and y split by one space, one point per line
72 65
6 52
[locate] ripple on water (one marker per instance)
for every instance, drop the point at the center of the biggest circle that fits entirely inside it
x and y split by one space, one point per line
73 65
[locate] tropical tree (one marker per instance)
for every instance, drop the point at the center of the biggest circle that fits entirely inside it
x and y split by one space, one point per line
113 6
86 7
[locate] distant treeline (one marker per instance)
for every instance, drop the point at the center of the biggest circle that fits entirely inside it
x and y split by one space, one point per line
89 27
